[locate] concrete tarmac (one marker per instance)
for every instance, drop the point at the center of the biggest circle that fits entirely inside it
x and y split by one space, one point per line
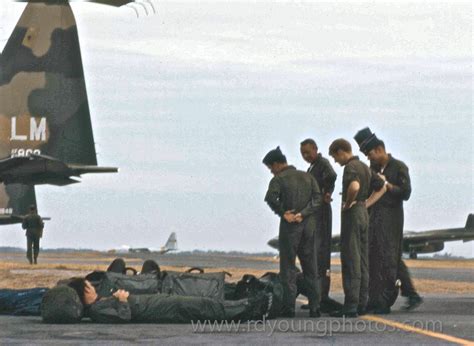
440 320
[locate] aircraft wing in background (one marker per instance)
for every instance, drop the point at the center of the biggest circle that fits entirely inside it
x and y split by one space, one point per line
417 242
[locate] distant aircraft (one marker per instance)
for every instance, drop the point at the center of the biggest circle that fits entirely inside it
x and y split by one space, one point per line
418 242
45 126
171 245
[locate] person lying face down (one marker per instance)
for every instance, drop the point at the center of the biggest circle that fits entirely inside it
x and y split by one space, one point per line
163 308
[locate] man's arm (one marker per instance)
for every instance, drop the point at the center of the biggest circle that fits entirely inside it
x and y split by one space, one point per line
273 197
329 178
403 187
315 201
110 310
375 196
352 192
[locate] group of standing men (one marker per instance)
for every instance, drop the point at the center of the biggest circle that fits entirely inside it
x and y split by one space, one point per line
371 245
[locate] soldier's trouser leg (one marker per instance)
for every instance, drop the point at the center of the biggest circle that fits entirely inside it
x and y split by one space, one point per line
407 288
289 238
29 248
36 247
354 257
323 241
309 264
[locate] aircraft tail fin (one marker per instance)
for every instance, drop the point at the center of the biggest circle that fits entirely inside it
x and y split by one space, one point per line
43 100
172 242
470 222
15 200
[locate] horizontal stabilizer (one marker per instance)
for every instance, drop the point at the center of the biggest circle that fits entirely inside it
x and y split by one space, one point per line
10 219
42 169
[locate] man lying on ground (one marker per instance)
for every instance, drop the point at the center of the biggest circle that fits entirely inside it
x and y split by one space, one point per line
164 308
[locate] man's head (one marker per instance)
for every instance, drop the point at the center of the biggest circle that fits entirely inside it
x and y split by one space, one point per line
309 150
275 160
84 289
370 145
61 304
341 151
377 154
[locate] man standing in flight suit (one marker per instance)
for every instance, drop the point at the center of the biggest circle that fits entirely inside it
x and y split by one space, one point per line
33 224
322 171
386 228
356 181
295 197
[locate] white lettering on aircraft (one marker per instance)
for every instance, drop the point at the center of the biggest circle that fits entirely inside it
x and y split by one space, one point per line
24 152
37 131
6 211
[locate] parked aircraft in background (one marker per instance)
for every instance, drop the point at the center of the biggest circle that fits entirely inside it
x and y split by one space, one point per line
418 242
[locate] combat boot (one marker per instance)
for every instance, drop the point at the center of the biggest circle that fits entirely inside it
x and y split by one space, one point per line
413 302
117 266
344 313
150 267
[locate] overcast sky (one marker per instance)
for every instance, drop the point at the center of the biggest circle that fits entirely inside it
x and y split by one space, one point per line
188 101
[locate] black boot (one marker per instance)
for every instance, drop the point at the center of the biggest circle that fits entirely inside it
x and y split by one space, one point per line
36 261
344 313
117 266
413 302
150 267
329 305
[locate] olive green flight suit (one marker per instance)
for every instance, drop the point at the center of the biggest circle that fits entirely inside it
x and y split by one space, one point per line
354 238
33 224
295 190
324 174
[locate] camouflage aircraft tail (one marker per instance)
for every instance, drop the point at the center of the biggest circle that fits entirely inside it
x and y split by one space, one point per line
45 126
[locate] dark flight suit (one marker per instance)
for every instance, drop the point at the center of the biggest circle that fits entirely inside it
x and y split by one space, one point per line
324 174
295 190
354 238
34 231
386 235
163 308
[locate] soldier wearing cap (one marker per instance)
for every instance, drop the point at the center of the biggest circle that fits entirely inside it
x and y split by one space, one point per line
386 227
356 181
322 171
33 224
295 197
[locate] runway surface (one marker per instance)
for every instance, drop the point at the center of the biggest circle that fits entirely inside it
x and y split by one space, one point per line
442 319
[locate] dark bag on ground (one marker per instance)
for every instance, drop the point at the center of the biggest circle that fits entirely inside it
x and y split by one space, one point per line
209 285
26 302
250 286
135 284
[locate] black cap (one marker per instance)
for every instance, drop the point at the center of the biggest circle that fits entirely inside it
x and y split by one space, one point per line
367 140
273 156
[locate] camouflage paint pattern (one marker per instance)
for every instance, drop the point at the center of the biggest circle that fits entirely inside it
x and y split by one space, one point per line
43 100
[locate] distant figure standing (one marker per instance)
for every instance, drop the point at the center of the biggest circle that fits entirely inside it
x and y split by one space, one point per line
33 224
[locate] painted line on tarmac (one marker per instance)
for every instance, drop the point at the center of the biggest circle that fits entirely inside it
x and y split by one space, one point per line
412 329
